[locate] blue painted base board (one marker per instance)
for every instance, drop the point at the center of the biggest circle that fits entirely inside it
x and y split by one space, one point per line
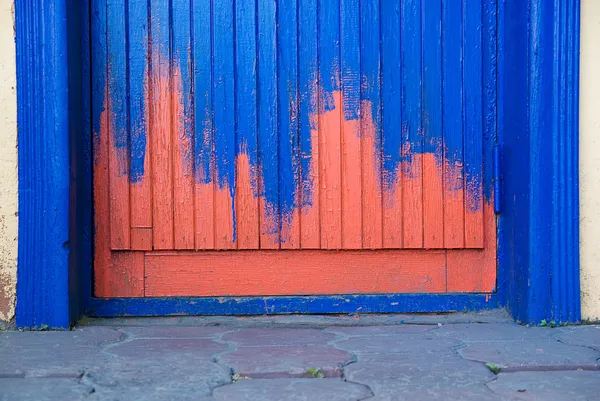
396 303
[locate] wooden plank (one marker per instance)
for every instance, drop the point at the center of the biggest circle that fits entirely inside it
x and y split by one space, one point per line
454 228
473 128
329 125
351 152
224 124
289 167
160 127
267 123
246 110
226 274
140 188
412 124
118 132
183 129
392 124
204 171
370 112
111 277
433 151
309 125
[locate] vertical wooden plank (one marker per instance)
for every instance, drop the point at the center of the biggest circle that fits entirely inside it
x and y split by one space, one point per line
204 191
309 124
224 123
329 125
370 112
267 122
351 152
412 124
111 277
392 124
183 135
246 111
473 128
118 137
289 168
433 156
160 126
454 229
140 181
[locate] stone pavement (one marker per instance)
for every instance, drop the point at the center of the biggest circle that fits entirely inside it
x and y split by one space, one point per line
312 358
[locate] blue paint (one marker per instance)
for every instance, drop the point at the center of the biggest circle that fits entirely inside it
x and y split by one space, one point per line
44 287
203 99
410 25
452 91
117 82
137 43
329 52
268 115
401 303
490 94
391 91
287 72
432 80
539 224
350 59
307 79
182 65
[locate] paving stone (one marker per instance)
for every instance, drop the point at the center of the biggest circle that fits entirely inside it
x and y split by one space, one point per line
85 336
391 390
167 375
544 354
276 362
46 389
584 336
400 343
493 332
171 332
154 348
382 330
129 394
280 337
548 386
292 390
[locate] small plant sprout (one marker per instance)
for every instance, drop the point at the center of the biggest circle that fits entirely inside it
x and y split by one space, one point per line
315 373
495 369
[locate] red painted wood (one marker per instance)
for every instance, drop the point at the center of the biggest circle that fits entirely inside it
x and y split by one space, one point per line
305 273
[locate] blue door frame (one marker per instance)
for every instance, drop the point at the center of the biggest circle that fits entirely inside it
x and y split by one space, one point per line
537 138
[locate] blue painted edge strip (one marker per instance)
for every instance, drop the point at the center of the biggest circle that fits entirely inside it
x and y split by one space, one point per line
43 292
394 303
539 134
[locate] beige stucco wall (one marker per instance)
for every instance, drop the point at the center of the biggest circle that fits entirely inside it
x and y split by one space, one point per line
8 164
589 153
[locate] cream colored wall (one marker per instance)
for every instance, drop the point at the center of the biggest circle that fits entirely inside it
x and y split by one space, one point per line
589 156
8 164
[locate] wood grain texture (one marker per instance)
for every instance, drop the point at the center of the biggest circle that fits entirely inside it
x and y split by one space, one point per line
182 117
161 127
117 129
226 274
140 187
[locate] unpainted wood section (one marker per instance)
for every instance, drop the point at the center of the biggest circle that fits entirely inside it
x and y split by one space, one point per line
226 274
182 126
117 130
140 186
161 127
